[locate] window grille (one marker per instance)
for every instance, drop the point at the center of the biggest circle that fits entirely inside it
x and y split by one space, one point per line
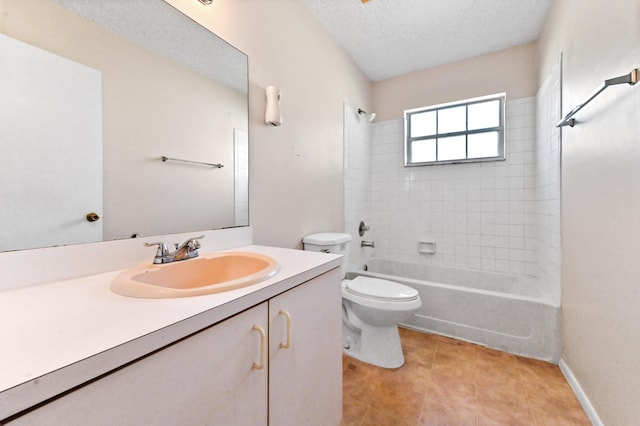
457 132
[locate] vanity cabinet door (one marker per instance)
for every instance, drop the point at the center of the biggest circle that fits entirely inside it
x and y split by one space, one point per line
305 370
205 379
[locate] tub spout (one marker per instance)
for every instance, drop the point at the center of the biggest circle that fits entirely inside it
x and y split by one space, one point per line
371 244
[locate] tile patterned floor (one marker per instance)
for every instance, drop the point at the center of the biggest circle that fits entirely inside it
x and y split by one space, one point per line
450 382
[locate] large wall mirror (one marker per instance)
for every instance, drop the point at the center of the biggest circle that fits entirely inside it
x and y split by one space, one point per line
93 95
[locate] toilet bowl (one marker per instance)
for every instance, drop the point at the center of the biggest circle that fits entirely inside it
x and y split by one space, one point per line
371 308
371 311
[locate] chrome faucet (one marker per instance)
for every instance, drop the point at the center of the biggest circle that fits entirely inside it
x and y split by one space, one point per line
371 244
186 250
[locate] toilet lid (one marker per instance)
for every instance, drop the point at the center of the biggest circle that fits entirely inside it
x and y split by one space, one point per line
374 288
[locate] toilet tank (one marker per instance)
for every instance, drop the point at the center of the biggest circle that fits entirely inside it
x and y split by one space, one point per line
327 242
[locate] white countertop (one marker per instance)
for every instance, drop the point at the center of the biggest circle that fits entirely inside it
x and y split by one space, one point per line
59 335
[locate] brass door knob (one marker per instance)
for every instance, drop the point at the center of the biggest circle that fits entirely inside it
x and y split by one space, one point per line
92 217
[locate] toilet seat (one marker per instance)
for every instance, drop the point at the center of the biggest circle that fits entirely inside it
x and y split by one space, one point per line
382 290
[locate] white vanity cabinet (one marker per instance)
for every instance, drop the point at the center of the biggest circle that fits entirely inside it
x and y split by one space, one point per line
204 379
227 374
305 379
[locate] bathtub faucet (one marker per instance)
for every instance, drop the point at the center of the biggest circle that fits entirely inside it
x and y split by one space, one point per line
371 244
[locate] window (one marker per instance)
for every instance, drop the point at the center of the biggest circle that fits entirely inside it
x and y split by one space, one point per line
458 132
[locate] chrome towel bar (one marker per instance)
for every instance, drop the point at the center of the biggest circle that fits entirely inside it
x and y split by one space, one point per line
630 79
217 166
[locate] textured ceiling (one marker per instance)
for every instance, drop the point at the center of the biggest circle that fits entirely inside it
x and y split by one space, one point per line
388 38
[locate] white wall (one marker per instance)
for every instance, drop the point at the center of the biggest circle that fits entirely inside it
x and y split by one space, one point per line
510 70
296 170
600 200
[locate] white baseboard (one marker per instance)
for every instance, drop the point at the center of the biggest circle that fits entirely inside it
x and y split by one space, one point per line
582 397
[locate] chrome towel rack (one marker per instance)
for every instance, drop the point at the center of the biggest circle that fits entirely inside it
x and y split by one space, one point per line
165 158
630 79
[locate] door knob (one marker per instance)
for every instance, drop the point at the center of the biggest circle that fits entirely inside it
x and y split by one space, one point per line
92 217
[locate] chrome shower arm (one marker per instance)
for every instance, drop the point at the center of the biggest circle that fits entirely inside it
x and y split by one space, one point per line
630 79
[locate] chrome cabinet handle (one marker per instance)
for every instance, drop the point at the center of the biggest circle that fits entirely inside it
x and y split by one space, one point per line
287 315
263 341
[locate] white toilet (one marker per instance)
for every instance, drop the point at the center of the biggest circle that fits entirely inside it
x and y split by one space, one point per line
371 308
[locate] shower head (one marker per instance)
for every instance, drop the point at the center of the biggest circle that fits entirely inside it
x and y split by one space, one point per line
370 117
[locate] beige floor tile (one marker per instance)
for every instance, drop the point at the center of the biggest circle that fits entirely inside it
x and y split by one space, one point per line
454 363
353 412
449 401
494 363
376 417
449 382
414 379
507 403
569 417
402 404
359 381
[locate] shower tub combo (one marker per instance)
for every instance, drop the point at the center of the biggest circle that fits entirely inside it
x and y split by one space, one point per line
500 311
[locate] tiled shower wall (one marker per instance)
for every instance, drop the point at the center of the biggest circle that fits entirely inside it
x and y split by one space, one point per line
547 189
501 216
357 178
480 215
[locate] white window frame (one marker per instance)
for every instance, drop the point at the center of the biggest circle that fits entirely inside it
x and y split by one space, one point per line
500 129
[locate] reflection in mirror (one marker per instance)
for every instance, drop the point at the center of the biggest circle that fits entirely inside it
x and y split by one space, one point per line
92 94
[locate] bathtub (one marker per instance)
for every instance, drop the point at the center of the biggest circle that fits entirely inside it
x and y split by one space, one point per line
500 311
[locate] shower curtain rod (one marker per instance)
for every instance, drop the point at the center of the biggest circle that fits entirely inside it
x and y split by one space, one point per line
630 79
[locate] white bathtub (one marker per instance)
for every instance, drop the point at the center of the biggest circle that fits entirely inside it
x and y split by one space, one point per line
501 311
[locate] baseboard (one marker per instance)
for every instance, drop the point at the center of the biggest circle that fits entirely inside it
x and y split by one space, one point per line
582 397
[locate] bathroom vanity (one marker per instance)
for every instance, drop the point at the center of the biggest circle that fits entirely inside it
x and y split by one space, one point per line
74 352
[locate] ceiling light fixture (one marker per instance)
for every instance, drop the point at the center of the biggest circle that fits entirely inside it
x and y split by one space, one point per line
206 2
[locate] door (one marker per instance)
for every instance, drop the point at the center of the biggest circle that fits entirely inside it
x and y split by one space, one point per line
51 148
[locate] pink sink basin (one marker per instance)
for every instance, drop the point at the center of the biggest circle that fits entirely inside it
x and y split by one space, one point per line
203 275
